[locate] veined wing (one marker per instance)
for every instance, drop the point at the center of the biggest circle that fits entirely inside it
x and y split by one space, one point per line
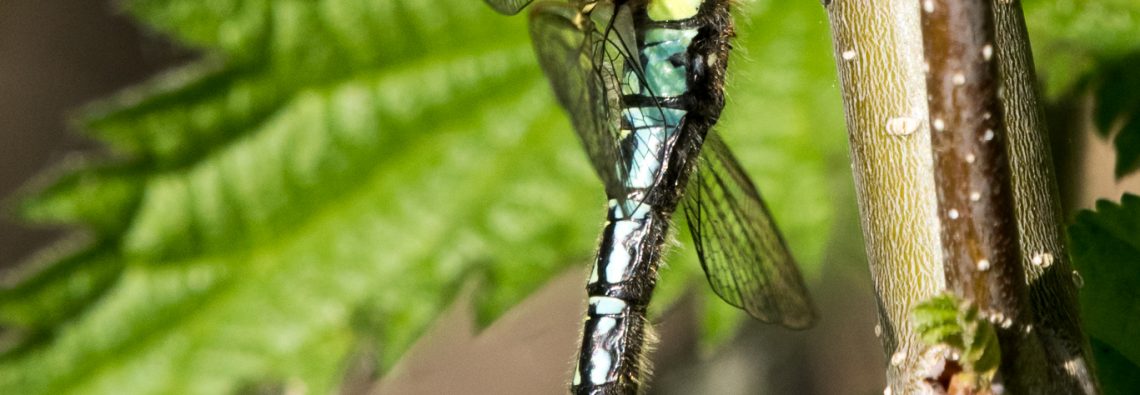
582 65
744 256
508 7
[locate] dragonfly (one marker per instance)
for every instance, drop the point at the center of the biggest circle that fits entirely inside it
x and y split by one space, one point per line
643 84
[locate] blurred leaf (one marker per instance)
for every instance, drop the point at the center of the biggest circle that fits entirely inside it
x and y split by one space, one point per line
1127 143
1117 96
1071 37
1106 251
936 321
332 171
1093 44
96 195
1117 375
53 294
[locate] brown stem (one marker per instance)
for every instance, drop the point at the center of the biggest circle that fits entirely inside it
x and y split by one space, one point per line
980 241
971 172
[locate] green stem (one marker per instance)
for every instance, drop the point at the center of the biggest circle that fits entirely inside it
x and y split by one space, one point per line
878 50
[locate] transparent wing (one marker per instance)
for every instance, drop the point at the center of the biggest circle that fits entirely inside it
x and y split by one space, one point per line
508 7
743 254
582 65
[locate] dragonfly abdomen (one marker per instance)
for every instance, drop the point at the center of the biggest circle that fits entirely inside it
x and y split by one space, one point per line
662 125
619 290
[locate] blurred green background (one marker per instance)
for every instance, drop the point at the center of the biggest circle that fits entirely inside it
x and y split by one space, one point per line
291 192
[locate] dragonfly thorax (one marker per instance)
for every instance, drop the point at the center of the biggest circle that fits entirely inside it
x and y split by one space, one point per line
672 10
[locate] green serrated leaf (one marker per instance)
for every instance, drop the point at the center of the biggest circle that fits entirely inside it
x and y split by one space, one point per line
231 26
334 170
939 308
982 350
1116 93
1106 251
947 333
183 115
936 321
98 196
48 297
944 319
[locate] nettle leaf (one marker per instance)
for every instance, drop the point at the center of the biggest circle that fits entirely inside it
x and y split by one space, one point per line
1106 251
944 319
332 172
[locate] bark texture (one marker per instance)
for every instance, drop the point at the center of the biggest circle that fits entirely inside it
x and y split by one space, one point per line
972 173
1048 269
975 204
878 51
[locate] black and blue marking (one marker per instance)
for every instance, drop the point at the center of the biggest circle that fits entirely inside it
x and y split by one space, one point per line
643 94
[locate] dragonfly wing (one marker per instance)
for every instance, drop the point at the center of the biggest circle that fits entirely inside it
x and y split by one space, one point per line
508 7
744 256
584 80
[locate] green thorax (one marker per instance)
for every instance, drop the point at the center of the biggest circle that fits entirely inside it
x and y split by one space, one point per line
672 10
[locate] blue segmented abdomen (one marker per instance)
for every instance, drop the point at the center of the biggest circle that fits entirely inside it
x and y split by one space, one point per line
610 318
633 226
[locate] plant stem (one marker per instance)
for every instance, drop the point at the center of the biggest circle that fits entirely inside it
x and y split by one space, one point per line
1040 223
975 205
879 52
971 171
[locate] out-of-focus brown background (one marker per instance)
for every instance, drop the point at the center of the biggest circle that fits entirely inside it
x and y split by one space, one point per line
56 55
